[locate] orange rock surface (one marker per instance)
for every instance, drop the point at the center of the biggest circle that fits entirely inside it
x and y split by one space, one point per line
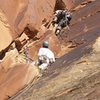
15 16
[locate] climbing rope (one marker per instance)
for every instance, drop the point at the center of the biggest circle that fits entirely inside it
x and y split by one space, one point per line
26 52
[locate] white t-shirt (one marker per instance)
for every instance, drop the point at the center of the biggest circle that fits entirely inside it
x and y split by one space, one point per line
47 52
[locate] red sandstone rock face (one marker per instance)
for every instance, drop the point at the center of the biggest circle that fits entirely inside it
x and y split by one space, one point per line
15 15
11 12
14 79
37 12
5 32
54 45
14 12
18 14
69 4
80 79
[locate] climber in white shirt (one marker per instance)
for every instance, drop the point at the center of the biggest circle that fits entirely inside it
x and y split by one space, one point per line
45 56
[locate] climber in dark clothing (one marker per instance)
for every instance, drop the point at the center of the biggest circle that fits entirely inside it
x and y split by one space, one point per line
61 19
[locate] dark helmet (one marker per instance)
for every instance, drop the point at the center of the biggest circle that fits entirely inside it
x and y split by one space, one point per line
45 44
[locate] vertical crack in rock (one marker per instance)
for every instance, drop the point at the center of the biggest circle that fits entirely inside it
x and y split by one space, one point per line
19 17
59 5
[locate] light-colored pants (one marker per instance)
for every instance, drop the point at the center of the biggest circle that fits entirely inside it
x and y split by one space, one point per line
43 63
43 66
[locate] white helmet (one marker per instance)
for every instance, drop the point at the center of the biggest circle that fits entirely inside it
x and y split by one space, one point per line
58 11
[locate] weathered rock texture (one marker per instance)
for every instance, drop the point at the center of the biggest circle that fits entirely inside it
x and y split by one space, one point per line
5 32
22 22
16 15
78 81
14 79
75 76
52 39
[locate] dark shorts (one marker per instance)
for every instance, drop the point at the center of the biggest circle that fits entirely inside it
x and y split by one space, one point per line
63 23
